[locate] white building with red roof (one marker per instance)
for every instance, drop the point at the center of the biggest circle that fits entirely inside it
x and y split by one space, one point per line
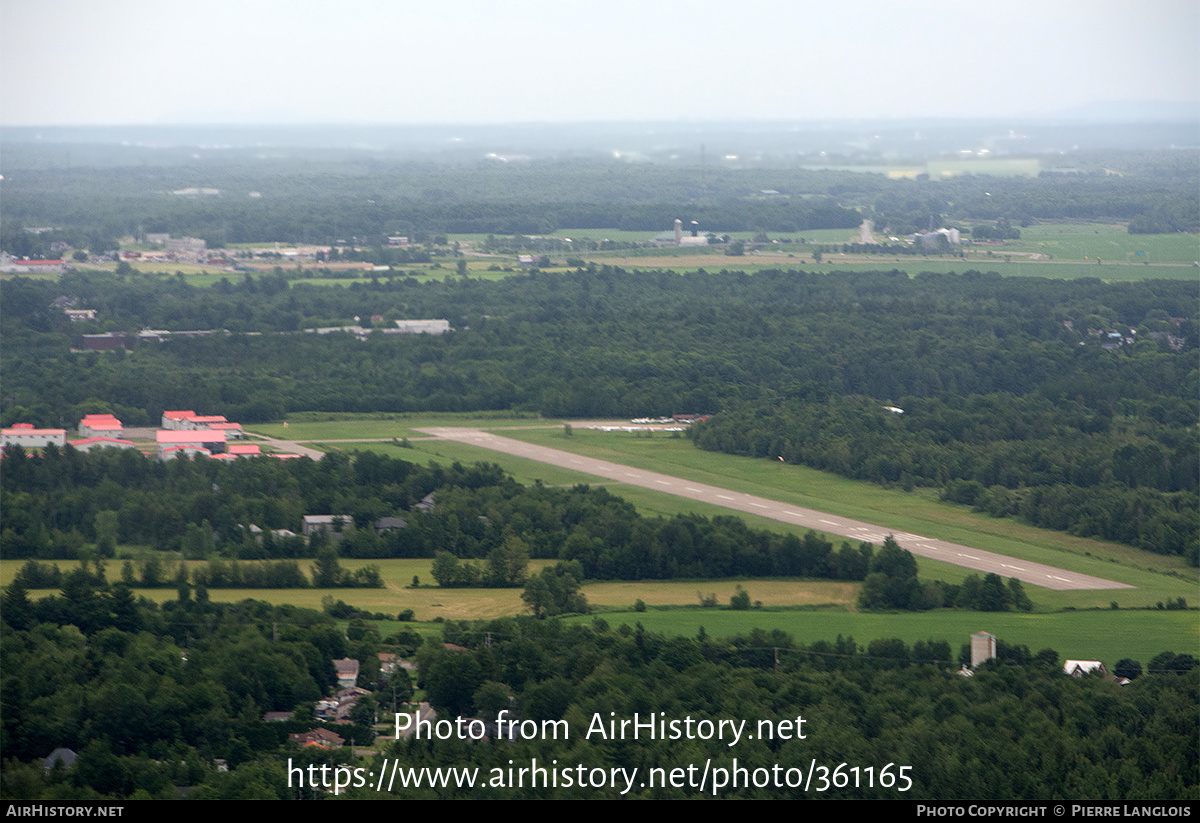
28 437
174 420
195 442
100 425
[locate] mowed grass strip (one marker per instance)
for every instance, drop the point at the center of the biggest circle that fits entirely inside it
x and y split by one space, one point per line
310 427
915 511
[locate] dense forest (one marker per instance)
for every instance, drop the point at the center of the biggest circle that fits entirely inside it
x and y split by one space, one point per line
1070 404
91 207
69 504
159 697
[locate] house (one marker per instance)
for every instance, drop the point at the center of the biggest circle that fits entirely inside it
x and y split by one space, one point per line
1078 668
278 717
389 524
347 672
318 737
330 525
60 755
26 436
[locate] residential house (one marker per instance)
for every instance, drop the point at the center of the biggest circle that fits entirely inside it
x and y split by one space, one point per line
347 672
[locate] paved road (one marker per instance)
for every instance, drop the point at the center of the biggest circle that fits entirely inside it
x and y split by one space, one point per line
1024 570
292 447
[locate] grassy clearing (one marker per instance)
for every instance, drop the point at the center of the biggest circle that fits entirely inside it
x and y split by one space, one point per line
1115 272
999 167
1110 243
622 594
1090 635
316 426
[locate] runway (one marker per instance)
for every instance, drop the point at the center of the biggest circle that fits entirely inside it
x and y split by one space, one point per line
1026 571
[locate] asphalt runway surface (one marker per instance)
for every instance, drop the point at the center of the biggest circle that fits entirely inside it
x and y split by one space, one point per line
1026 571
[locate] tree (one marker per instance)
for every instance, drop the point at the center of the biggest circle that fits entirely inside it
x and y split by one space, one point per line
1128 668
507 562
107 527
327 573
555 590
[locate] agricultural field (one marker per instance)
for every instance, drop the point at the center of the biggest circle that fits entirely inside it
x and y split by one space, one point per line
1109 243
1088 635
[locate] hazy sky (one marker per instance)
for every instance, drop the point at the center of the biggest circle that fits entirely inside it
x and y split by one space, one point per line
480 61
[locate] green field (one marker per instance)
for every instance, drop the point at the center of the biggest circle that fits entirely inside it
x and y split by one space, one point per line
1084 635
313 426
997 167
826 610
1109 243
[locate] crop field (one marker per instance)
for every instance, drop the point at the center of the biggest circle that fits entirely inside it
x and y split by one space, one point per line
1111 244
1005 167
1088 635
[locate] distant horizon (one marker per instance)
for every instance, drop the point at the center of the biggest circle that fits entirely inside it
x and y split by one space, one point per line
1148 111
138 62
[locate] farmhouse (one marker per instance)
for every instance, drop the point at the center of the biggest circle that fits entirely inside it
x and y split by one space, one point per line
1078 668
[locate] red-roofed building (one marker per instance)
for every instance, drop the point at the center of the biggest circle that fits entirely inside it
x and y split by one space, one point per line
100 425
234 430
205 421
174 420
26 436
208 441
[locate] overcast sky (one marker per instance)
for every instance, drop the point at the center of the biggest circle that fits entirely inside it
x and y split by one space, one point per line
485 61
